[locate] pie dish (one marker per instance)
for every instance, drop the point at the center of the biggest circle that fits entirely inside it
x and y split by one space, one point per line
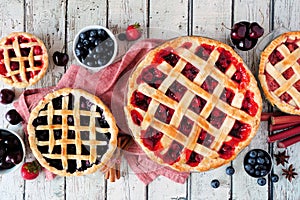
279 72
23 59
192 104
71 132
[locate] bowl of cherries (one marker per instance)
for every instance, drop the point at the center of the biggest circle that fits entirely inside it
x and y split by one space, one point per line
95 47
12 151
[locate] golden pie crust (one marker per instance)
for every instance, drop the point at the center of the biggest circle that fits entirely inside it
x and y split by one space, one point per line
92 141
23 59
288 60
185 48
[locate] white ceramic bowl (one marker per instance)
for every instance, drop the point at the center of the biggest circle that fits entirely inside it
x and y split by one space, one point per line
4 132
98 66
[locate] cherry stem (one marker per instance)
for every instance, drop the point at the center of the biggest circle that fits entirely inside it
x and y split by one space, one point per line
262 15
225 26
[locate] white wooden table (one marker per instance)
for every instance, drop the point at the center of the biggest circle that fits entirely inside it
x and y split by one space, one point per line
56 22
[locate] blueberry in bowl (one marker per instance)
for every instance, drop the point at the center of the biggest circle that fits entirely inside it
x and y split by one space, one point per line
12 151
95 47
257 163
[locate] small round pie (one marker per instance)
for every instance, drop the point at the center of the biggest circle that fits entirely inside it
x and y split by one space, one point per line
72 133
23 59
279 72
192 104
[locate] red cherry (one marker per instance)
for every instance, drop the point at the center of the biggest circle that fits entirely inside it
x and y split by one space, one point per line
240 30
6 96
256 31
60 59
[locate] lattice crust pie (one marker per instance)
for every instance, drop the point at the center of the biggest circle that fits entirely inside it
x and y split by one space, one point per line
192 104
279 72
23 59
71 132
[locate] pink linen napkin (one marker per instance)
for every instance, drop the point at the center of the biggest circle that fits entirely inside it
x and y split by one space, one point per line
102 84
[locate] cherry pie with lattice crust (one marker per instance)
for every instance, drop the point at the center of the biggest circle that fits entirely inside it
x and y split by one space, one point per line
279 72
71 132
23 59
192 104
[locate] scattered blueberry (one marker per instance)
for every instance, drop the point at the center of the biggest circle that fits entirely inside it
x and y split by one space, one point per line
215 183
275 178
122 36
261 181
230 170
94 47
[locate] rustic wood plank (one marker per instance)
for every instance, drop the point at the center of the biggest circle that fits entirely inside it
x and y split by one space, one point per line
11 185
79 15
210 25
251 11
166 22
46 20
120 15
286 14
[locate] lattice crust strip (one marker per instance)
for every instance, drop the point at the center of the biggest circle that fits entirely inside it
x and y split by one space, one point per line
181 109
90 142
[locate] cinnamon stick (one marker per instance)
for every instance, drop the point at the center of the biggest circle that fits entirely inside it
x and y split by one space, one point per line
282 126
289 141
285 119
284 134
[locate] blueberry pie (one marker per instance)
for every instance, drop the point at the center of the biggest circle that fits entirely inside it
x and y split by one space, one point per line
279 72
71 132
192 104
23 59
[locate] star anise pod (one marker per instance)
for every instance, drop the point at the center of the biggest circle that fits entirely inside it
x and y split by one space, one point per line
289 173
281 158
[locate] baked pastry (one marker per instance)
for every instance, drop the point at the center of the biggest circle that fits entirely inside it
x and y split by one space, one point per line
192 104
71 132
279 72
23 59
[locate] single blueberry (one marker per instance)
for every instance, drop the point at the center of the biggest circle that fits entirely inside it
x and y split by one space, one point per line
274 178
109 42
257 172
251 161
122 36
230 170
93 33
79 45
260 160
263 172
260 154
215 183
82 35
248 167
253 154
86 42
261 181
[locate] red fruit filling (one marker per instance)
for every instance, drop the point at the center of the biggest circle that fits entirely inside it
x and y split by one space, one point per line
176 91
26 64
25 51
151 138
164 113
38 63
241 76
187 45
3 70
14 66
9 41
227 150
291 45
37 50
140 100
285 97
136 117
23 39
173 153
271 82
159 57
18 77
1 55
11 53
224 60
205 138
152 76
185 126
204 51
227 95
216 118
298 61
297 85
248 104
209 84
197 104
190 71
240 130
172 59
275 57
193 158
287 74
